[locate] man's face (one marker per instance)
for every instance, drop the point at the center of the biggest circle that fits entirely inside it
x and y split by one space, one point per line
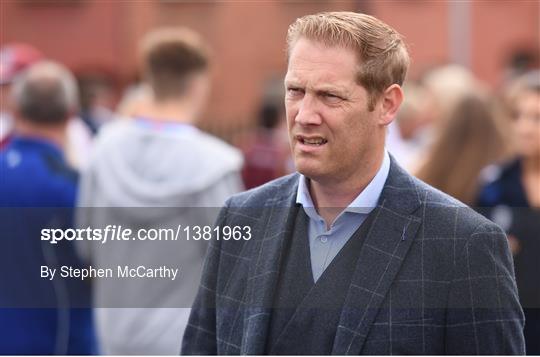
331 131
527 124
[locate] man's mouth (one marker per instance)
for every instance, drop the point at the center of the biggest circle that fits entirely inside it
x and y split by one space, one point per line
313 141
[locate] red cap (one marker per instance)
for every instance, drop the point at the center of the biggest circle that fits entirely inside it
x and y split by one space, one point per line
15 58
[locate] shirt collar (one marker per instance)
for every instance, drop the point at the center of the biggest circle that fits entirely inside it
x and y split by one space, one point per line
364 203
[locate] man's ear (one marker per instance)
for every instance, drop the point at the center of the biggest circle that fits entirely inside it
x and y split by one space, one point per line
390 101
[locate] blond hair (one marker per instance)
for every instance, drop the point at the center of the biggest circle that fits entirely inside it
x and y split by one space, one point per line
382 53
472 137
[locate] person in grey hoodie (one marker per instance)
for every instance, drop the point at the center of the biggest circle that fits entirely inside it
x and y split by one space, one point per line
155 171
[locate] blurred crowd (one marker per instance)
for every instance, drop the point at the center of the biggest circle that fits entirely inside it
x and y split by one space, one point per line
66 142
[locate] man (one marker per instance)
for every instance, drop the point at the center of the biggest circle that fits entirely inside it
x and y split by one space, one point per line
352 255
156 170
37 191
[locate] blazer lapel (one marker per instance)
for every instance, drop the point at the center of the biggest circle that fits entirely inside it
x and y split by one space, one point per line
386 245
276 223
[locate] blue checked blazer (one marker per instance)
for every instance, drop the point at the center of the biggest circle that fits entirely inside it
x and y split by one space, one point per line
432 277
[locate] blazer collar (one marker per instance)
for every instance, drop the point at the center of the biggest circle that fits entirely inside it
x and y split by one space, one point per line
384 251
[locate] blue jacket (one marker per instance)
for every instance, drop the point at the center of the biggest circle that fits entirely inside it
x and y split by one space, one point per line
37 316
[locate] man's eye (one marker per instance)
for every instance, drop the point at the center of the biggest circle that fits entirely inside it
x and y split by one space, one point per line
332 98
294 91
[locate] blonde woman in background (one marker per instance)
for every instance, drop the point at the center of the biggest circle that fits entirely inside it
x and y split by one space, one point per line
471 137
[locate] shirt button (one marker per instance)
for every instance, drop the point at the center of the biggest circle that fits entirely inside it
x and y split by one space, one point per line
324 239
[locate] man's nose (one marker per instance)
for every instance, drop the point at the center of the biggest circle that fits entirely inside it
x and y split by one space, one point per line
308 111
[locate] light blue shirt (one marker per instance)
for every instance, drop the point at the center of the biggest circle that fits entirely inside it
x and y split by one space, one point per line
325 244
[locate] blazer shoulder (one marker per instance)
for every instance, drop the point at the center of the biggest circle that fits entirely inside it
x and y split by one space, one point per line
437 204
273 193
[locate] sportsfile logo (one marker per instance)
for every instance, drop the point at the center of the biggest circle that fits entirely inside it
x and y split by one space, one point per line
110 232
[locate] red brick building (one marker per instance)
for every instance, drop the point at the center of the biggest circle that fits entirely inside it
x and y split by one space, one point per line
248 37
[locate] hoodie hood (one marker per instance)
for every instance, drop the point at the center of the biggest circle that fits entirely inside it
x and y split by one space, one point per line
135 165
